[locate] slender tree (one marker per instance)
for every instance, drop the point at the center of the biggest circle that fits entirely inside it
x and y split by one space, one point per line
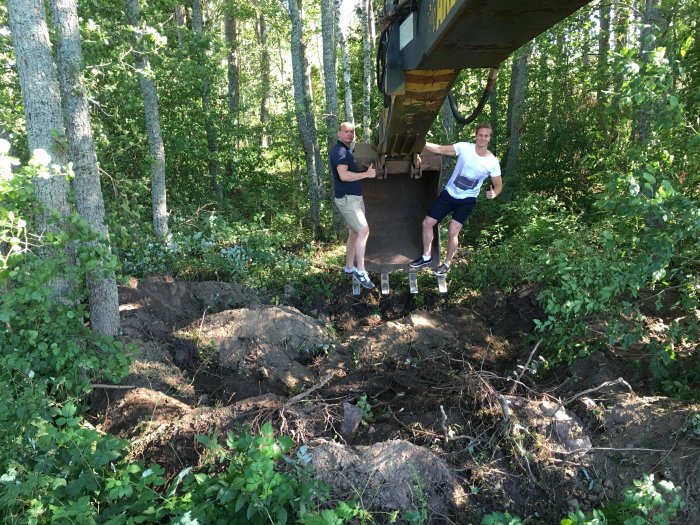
367 69
103 298
42 111
329 68
349 115
155 137
233 75
516 106
651 20
603 51
304 114
180 15
209 129
264 77
493 116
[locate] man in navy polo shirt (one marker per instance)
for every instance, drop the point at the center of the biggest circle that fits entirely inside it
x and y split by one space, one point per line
348 198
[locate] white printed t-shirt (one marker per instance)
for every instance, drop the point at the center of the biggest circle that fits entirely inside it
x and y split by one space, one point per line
470 171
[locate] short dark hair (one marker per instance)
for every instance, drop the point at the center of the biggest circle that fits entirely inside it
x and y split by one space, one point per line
483 125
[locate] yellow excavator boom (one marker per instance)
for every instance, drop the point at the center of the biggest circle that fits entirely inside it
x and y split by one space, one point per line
423 46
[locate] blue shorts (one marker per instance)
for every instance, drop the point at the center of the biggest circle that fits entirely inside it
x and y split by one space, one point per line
446 203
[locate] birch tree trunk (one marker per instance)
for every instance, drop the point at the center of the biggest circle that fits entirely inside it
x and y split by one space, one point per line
603 51
329 68
103 298
155 137
620 29
367 70
180 22
516 107
448 125
212 139
232 76
349 115
493 116
42 112
313 133
650 22
306 127
264 79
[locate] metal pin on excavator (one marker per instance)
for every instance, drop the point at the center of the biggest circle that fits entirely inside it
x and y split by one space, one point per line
423 46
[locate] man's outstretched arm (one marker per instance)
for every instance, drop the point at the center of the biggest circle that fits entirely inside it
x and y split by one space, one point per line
447 149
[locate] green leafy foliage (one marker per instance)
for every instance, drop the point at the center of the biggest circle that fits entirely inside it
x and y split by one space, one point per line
647 502
501 518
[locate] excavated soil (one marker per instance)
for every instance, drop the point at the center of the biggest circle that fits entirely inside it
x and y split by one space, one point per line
408 408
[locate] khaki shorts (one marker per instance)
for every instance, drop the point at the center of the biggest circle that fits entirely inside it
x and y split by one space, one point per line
352 208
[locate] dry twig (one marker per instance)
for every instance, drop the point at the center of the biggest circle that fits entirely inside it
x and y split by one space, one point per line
618 381
522 372
308 392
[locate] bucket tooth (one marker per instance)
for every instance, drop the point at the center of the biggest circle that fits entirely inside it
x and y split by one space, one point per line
355 286
385 283
413 282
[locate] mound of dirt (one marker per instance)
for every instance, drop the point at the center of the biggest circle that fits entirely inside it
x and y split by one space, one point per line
413 408
391 476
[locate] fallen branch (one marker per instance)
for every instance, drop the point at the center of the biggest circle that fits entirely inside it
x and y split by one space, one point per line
504 407
522 372
613 449
308 392
618 381
443 424
113 387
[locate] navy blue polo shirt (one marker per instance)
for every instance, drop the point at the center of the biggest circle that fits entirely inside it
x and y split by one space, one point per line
341 154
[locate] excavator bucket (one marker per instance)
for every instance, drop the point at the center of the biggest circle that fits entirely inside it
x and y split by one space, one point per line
395 206
423 46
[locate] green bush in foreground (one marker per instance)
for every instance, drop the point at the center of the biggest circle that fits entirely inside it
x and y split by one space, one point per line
644 504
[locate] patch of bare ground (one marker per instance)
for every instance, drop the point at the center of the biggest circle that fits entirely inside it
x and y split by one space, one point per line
401 408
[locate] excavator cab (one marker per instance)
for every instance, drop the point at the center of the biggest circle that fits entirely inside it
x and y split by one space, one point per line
423 46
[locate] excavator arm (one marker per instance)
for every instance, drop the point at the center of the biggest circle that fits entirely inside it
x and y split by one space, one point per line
423 46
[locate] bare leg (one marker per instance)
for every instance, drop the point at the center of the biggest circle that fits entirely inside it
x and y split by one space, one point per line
350 248
428 224
360 246
452 240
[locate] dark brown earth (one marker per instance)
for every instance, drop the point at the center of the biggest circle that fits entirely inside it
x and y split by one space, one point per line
412 408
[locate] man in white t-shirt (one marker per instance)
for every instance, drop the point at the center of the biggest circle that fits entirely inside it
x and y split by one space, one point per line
475 163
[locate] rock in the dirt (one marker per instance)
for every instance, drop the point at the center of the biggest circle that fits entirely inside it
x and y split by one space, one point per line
573 503
352 417
398 475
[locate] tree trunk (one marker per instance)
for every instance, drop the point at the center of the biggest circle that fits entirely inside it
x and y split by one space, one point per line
180 22
264 79
329 68
311 122
493 116
233 76
367 71
349 116
302 111
650 21
209 128
620 29
103 300
603 51
329 27
516 107
155 137
448 125
41 96
448 122
42 111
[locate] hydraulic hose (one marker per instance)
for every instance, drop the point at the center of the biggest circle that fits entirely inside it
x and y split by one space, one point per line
490 83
